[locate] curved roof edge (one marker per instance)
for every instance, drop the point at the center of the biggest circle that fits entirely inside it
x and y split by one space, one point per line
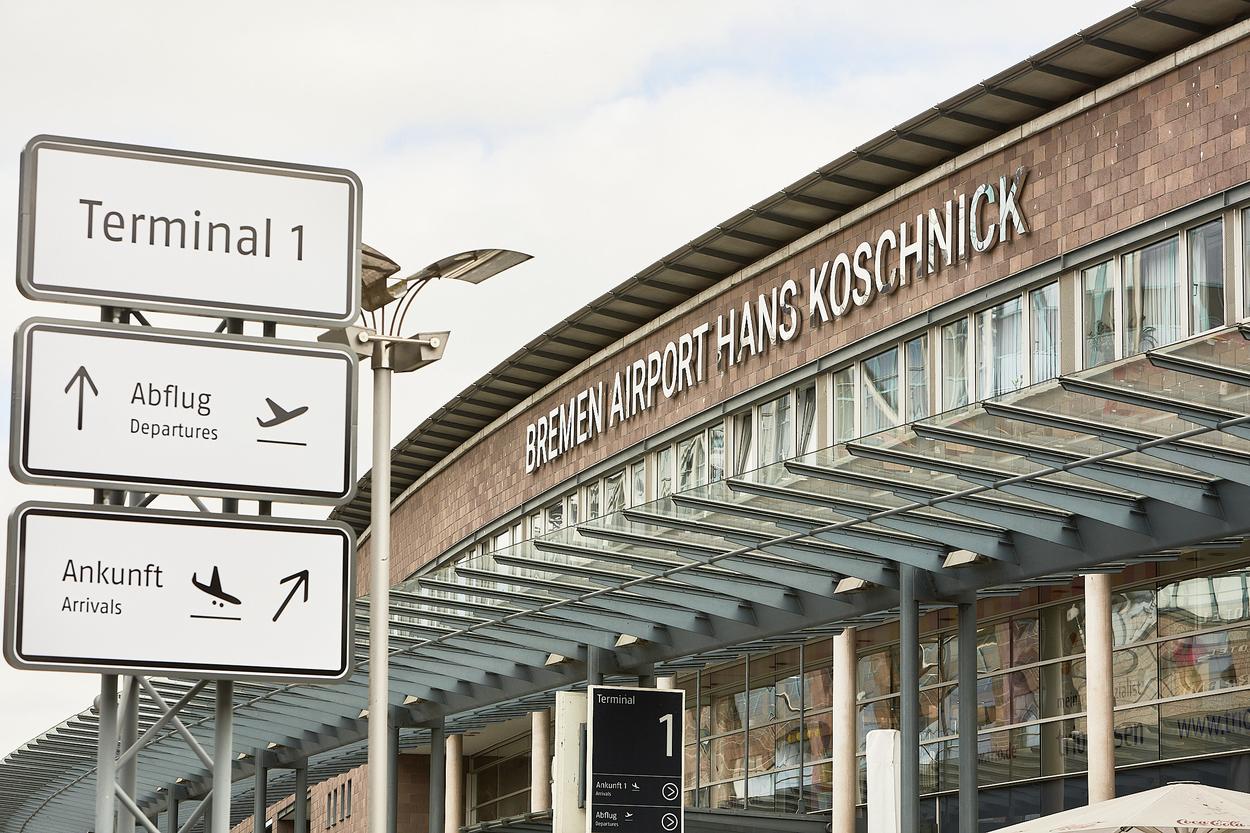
1112 49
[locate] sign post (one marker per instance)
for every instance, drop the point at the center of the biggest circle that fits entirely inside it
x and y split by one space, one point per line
131 591
635 760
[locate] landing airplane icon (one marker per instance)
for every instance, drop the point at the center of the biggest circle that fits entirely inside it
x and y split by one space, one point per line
280 414
213 588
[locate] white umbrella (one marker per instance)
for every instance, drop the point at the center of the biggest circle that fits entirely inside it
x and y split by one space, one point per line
1176 808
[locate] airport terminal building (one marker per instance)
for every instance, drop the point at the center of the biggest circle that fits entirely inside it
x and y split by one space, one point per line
976 382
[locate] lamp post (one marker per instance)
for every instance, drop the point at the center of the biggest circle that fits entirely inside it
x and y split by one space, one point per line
390 352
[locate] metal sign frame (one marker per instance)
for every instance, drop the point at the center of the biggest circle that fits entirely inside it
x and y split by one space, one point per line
678 726
201 303
20 415
15 601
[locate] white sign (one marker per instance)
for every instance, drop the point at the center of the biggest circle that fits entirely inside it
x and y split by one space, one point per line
126 406
102 224
115 590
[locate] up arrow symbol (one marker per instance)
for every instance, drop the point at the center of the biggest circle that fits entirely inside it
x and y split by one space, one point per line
82 377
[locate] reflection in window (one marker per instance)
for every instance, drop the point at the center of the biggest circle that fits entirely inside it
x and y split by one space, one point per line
1000 366
555 516
1245 252
691 462
955 364
776 430
1152 312
1044 333
592 501
664 472
744 443
1206 275
1098 314
844 405
572 511
879 389
716 458
614 488
807 420
638 477
916 355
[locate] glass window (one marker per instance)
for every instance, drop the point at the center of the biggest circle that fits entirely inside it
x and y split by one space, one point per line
716 457
879 389
1044 333
776 430
555 516
955 364
1000 366
664 472
572 513
1152 311
691 462
844 405
1206 275
592 500
638 477
744 442
1245 253
536 525
807 420
1204 602
1098 314
916 353
614 492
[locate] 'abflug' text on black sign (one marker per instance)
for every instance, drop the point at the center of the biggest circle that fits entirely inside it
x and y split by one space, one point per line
635 760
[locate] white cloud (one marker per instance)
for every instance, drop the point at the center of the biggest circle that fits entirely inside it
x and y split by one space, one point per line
598 136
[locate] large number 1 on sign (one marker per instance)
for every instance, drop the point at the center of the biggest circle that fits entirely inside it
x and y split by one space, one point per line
667 720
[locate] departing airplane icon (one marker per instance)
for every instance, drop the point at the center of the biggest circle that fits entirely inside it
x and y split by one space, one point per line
280 414
213 588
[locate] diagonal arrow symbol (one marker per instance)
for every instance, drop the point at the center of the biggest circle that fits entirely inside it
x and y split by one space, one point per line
82 377
300 579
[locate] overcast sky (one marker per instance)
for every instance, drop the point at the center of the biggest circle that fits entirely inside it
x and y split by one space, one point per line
597 136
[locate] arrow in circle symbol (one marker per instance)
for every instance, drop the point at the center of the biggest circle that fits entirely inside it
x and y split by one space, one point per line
301 580
82 377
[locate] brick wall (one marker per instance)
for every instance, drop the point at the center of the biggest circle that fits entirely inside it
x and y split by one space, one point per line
1146 152
412 807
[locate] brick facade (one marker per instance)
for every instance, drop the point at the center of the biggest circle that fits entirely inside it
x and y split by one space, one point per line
1150 150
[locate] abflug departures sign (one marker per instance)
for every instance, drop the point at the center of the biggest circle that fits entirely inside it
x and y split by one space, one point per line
635 760
149 228
126 406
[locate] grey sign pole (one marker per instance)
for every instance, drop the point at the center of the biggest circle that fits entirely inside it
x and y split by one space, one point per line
380 593
223 755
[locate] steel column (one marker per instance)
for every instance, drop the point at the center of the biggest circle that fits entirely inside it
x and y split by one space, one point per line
438 777
594 668
127 734
223 756
301 797
392 793
171 809
845 786
379 595
260 792
967 721
1099 698
106 755
909 698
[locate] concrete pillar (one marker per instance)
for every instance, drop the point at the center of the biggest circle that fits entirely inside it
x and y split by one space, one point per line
1099 694
540 761
909 699
967 724
438 771
455 783
845 786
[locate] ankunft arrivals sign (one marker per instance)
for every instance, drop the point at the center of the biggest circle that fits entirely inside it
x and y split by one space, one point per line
835 289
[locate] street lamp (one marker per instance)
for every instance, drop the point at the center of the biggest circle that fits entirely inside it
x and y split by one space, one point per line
391 352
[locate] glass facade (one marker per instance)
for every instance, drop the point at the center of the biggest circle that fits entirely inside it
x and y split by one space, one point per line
759 729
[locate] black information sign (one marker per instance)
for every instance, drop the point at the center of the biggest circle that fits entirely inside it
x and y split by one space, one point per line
635 760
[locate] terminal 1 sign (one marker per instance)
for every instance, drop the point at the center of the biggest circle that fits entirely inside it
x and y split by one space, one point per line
959 228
